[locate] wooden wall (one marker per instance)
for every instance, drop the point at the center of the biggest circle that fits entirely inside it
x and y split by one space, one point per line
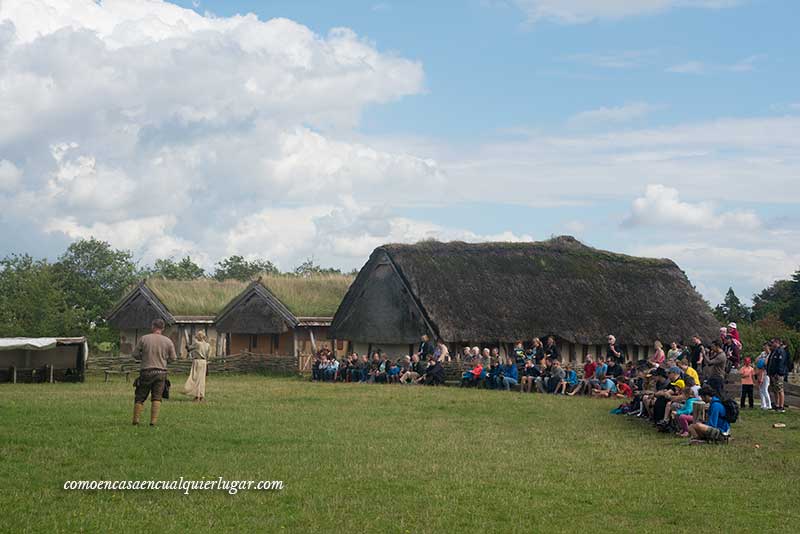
181 335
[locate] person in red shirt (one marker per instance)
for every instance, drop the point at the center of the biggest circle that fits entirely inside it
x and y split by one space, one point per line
623 389
471 378
589 369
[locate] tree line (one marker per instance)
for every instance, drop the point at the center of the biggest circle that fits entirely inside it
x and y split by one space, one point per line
70 296
775 313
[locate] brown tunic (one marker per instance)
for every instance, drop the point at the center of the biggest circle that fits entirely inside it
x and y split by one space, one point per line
154 351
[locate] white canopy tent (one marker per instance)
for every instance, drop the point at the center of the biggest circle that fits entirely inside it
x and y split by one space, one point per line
59 358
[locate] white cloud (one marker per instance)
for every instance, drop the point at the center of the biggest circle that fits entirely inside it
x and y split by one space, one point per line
690 67
150 237
714 267
342 235
618 114
661 206
625 59
159 129
582 11
9 175
746 64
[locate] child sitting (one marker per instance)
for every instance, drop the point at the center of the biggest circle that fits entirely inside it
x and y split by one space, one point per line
569 382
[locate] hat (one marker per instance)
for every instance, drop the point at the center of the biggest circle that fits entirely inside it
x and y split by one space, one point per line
679 383
732 325
674 370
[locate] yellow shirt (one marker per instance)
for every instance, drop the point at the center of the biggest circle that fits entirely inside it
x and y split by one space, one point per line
691 372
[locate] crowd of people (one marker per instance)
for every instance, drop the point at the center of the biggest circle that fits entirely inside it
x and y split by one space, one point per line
663 388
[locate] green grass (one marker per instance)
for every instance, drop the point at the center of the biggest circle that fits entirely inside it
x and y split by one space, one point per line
361 458
313 296
205 297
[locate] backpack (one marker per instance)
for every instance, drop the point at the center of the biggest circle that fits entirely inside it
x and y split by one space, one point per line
731 410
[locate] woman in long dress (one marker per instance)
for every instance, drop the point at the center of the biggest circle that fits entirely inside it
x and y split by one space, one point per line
196 383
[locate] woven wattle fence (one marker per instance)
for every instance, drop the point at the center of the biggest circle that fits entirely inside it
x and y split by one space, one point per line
243 362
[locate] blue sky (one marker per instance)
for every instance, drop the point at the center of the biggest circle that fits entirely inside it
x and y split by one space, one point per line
666 128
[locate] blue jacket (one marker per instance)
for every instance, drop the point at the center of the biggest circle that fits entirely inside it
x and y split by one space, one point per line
510 371
716 415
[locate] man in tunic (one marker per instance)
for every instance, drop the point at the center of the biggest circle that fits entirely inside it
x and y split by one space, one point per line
154 350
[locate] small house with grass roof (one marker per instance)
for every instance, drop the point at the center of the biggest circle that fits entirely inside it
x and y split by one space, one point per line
284 315
493 294
187 307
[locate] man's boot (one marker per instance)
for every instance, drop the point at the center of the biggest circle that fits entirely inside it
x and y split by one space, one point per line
137 412
155 406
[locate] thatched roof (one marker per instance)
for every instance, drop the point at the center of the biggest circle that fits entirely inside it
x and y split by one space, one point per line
507 291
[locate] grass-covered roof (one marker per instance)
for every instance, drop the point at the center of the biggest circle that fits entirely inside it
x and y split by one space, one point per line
313 296
203 297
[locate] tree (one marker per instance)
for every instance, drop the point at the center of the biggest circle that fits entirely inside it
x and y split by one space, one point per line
238 268
732 309
32 303
185 269
772 300
95 276
309 268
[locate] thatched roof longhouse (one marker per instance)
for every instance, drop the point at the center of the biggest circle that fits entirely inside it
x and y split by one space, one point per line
469 292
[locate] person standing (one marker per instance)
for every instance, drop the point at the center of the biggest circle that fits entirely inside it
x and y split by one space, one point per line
199 352
613 351
776 369
762 378
715 368
697 354
747 372
154 350
426 348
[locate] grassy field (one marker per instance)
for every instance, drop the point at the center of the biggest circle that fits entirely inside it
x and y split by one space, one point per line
361 458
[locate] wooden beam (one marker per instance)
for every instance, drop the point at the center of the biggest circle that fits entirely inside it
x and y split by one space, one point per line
313 341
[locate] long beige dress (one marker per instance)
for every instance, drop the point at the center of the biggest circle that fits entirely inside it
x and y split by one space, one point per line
196 383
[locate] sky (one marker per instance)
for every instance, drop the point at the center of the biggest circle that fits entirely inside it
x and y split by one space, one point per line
289 130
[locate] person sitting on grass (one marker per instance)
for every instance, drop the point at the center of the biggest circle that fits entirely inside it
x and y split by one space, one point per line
316 373
664 398
529 374
472 377
585 386
493 378
332 369
687 371
716 426
413 372
624 391
434 374
608 387
648 400
553 376
509 374
570 380
600 369
393 374
683 415
613 369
